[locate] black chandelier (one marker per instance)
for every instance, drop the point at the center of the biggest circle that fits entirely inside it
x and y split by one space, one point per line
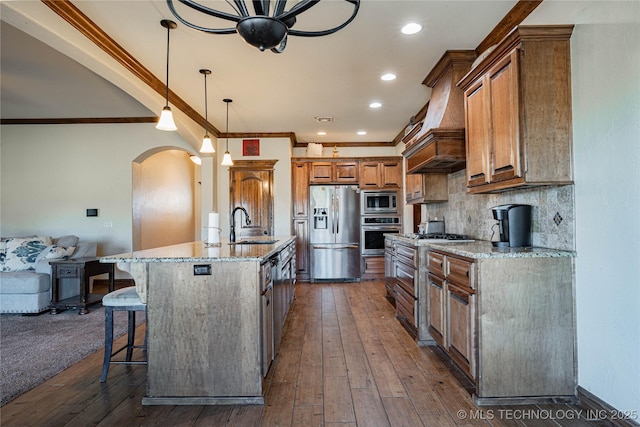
261 30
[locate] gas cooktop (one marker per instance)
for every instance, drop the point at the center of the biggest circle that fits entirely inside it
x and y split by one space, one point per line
443 237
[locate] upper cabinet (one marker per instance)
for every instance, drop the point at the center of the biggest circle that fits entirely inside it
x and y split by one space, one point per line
426 188
381 174
343 172
300 189
517 104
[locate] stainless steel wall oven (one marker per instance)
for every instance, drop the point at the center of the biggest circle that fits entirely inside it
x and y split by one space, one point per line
373 230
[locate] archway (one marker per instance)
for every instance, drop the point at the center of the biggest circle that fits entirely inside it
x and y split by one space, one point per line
165 198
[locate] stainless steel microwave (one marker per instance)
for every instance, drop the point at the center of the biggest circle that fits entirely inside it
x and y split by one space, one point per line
375 202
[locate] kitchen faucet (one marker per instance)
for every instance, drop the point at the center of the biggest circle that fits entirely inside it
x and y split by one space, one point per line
232 235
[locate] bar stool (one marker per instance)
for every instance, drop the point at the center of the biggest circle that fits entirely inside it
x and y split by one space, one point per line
125 299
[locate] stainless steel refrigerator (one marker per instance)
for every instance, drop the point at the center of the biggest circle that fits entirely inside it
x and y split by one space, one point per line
334 235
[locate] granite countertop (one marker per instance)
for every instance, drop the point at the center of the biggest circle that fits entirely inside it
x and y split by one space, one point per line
484 249
198 252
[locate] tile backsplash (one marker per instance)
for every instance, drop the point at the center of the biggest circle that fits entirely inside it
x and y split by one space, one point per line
553 222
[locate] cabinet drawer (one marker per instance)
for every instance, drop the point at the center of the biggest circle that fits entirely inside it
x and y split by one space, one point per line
68 271
373 265
407 255
405 278
460 272
389 245
436 263
405 305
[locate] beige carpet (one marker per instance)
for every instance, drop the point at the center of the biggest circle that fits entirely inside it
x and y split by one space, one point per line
35 348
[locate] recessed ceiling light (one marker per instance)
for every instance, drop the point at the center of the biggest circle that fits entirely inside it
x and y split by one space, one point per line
322 133
362 132
411 28
387 77
375 105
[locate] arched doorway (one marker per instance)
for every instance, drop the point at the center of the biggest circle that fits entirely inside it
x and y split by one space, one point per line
165 198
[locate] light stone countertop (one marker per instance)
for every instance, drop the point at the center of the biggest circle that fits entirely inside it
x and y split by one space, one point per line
198 252
484 249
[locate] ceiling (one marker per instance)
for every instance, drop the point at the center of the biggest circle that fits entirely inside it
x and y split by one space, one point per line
336 76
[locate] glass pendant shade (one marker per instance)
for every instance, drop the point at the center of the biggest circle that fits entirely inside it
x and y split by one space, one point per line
207 146
195 159
226 160
166 120
166 117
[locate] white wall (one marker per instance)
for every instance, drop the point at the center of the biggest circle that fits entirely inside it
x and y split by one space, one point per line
606 94
606 136
50 175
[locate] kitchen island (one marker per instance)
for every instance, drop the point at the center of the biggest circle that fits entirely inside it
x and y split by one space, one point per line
208 328
505 316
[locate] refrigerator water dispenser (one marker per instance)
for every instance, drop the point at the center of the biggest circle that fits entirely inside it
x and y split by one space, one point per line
320 218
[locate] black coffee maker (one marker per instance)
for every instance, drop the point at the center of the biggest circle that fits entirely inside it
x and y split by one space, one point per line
514 225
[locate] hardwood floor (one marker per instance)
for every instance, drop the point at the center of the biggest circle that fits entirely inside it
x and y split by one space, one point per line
344 361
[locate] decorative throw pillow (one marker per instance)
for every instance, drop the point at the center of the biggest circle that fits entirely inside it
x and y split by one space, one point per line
3 252
21 252
56 252
67 241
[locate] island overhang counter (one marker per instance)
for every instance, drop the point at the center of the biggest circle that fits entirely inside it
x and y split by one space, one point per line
204 320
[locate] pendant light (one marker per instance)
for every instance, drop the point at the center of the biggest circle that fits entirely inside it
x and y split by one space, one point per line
206 147
226 160
166 117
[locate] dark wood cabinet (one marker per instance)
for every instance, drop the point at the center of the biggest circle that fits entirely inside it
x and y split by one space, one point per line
339 172
426 188
452 308
300 206
518 112
252 188
300 189
381 174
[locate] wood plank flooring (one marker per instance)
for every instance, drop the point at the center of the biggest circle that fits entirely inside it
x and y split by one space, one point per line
344 361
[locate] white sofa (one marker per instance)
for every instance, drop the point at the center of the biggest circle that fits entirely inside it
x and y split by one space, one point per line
25 273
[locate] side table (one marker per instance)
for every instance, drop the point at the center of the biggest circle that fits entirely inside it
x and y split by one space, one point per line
83 269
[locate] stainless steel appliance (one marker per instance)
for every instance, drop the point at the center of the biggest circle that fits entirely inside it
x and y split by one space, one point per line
334 233
378 202
373 230
514 225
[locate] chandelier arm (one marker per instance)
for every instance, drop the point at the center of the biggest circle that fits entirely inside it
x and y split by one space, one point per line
281 47
199 28
241 7
261 7
297 9
279 8
299 33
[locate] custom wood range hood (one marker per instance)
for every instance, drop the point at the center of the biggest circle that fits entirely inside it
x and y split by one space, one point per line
437 144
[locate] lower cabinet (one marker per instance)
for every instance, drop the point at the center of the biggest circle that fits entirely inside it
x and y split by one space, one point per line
266 315
301 231
372 268
451 308
437 309
405 266
508 323
389 275
461 331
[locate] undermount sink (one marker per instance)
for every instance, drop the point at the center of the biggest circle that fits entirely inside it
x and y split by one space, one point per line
253 242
